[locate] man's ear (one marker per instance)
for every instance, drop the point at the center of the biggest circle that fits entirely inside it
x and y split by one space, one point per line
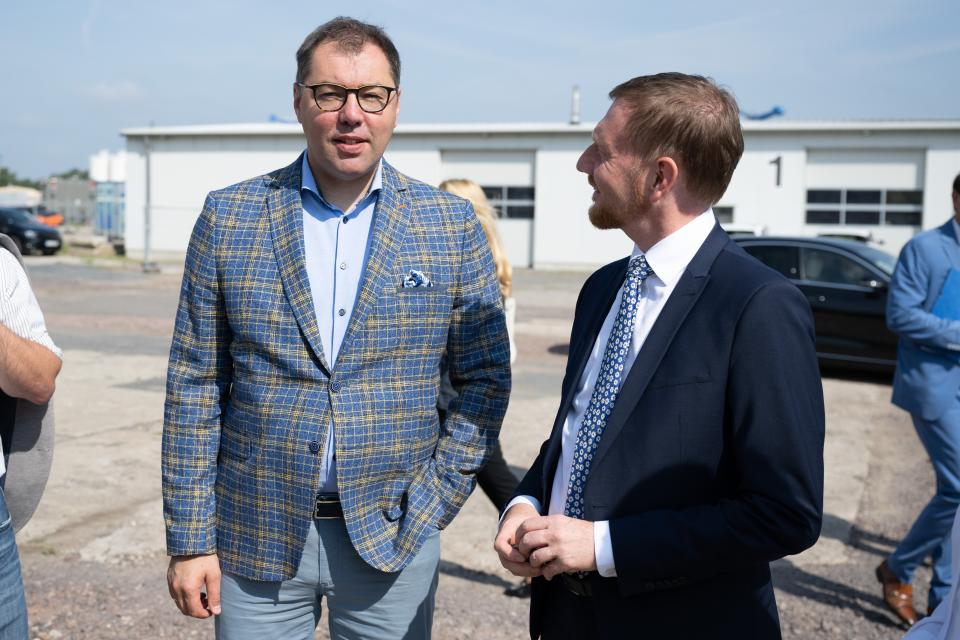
297 92
665 177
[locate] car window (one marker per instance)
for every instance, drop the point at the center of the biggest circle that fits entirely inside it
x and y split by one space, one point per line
880 259
783 259
16 215
827 266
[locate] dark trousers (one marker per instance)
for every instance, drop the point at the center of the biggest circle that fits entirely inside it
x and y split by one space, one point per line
567 616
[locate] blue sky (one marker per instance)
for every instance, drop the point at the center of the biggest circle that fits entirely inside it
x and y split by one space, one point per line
75 73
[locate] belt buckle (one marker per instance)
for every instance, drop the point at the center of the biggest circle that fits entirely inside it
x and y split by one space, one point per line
577 584
325 505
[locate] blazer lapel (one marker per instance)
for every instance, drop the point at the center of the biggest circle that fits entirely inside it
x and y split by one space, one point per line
681 301
286 224
951 244
390 218
597 313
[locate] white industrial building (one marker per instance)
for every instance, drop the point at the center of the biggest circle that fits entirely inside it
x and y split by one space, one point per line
886 178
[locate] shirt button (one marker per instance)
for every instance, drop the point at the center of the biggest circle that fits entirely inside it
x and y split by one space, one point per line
342 312
335 386
344 219
343 266
314 447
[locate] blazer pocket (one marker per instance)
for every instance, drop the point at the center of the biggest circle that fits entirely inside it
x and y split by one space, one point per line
437 288
234 444
668 381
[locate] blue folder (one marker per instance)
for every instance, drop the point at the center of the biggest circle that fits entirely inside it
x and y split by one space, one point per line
947 305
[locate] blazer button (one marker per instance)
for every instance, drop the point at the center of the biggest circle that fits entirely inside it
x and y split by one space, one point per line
335 386
314 447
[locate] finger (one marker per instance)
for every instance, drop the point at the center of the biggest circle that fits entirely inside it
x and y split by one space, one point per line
511 554
531 524
521 569
505 549
553 569
542 556
534 540
213 594
193 604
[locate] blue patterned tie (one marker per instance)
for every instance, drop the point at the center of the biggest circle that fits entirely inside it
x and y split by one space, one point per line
607 387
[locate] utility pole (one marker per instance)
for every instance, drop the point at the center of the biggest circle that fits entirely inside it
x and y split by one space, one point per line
148 265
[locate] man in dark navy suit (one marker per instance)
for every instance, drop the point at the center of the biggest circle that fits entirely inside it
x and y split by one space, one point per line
687 452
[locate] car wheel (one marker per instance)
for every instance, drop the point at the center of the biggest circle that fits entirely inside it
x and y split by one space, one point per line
49 252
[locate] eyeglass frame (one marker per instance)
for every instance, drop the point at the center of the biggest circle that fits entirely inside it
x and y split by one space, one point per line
356 91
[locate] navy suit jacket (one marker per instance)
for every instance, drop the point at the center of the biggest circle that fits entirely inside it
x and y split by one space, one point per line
928 354
711 463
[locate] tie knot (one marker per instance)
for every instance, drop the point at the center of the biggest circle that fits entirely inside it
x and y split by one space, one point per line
638 269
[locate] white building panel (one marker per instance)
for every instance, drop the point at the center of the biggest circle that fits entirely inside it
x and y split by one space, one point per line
865 169
782 161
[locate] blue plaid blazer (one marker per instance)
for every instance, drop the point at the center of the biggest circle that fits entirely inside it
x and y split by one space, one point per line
249 387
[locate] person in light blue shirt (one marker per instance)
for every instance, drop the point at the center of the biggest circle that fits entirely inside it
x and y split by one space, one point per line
304 463
927 384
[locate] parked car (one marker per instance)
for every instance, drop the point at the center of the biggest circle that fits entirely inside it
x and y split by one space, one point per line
30 235
846 283
49 218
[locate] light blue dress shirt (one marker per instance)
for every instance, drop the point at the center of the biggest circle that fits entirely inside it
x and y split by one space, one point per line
336 244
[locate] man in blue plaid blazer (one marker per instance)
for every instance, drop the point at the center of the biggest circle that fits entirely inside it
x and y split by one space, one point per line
302 454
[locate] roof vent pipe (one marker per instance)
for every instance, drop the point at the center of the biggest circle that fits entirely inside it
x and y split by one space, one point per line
575 105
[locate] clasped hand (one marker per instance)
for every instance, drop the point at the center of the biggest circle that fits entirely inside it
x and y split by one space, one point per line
533 545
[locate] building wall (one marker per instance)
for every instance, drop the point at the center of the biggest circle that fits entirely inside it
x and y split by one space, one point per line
185 168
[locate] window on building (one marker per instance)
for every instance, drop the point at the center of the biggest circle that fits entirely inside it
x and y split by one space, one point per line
871 207
724 214
511 202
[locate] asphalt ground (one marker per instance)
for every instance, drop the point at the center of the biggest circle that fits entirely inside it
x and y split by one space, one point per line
93 555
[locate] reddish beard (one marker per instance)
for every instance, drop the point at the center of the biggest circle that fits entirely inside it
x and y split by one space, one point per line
603 217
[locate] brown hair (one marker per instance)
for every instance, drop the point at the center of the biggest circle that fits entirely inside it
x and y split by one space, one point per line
488 220
350 35
690 119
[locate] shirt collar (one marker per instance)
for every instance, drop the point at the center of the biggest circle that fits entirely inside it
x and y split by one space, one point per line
669 258
308 183
956 228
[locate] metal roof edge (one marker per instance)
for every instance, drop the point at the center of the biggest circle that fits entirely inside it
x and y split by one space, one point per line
521 128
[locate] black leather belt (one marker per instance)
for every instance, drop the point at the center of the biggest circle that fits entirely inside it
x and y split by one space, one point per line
577 584
327 507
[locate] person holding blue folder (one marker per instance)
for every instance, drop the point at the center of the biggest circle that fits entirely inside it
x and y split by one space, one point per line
923 309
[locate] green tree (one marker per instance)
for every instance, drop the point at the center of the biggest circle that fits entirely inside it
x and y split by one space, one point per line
8 178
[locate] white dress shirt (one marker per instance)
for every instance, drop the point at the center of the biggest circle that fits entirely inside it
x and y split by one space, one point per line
668 259
19 310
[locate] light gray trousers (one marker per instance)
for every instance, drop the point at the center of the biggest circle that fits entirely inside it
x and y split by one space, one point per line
362 602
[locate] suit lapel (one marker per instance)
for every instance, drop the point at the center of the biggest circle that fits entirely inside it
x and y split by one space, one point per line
681 301
390 218
286 225
596 309
951 244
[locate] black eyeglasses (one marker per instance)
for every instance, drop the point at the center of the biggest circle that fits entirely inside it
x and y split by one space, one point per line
372 98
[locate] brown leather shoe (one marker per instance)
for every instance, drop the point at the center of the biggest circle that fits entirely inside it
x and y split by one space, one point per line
897 595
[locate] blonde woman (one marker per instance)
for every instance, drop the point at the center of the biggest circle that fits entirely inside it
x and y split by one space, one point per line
487 216
495 479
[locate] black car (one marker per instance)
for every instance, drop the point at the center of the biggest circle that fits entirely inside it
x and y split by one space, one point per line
846 283
30 235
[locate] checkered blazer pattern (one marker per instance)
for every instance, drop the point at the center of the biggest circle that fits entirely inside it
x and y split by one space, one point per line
249 387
